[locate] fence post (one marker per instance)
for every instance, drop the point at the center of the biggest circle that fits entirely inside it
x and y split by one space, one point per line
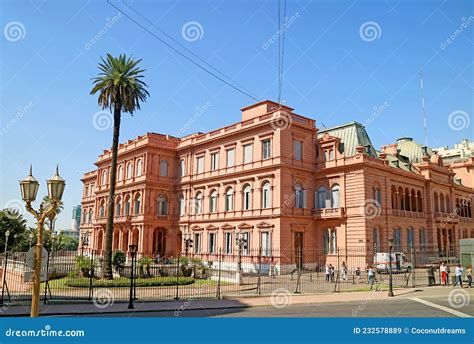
413 262
4 278
91 273
336 285
177 278
219 260
259 270
46 285
299 263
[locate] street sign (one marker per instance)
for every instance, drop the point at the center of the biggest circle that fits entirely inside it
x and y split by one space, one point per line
30 258
28 276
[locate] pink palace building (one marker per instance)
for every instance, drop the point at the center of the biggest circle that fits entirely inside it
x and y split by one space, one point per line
278 181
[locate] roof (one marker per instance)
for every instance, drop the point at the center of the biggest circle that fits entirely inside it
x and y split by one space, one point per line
411 149
352 134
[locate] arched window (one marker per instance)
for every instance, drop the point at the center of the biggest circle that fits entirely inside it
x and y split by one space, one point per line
90 216
377 196
266 195
129 170
84 215
198 203
120 173
419 201
161 205
448 204
394 197
139 168
300 196
407 199
435 202
118 206
182 205
102 209
213 201
335 203
229 199
182 168
136 205
401 199
127 205
164 168
321 197
247 194
441 203
104 177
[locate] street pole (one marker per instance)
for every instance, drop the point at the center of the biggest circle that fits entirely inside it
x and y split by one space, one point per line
130 300
37 271
390 280
5 257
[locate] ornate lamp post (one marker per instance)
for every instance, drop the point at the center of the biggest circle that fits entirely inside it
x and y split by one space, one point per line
133 252
188 243
241 244
84 243
390 280
29 189
5 259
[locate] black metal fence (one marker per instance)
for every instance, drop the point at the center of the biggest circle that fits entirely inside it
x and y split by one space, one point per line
77 275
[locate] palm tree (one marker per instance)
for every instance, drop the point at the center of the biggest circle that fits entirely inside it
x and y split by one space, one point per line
46 202
120 89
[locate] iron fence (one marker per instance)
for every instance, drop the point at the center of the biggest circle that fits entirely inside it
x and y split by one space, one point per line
77 275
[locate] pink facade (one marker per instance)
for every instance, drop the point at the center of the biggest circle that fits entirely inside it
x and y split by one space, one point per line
281 183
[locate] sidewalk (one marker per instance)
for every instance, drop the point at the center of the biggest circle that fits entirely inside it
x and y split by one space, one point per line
89 308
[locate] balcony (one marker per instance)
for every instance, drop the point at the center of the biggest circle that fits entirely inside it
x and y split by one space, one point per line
407 213
328 213
446 217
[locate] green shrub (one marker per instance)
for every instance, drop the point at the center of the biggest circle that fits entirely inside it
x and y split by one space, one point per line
85 265
125 282
118 259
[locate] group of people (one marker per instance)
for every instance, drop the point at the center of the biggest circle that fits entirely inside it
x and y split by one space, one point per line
330 272
458 272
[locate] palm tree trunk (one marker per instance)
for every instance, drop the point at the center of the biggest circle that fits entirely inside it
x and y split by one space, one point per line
109 230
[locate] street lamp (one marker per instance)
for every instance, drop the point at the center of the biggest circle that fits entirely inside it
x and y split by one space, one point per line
188 243
241 244
390 280
84 243
133 252
5 257
29 189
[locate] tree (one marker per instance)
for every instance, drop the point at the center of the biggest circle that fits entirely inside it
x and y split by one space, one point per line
11 220
46 202
120 89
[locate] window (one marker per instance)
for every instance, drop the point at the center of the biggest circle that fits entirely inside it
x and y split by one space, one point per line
129 170
397 239
164 168
246 247
329 154
228 243
377 197
266 149
335 203
181 168
410 237
90 215
104 178
297 150
102 209
139 168
230 156
198 204
300 197
197 243
214 161
200 164
248 153
212 242
213 201
127 206
247 197
330 241
266 195
120 173
265 242
118 206
136 206
321 197
376 240
229 199
86 191
422 238
84 217
162 205
182 207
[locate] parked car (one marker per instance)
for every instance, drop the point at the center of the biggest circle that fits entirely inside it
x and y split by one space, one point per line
399 262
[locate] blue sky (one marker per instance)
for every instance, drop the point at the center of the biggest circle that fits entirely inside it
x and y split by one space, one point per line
334 71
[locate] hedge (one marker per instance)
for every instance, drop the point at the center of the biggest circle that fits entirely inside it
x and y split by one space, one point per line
125 282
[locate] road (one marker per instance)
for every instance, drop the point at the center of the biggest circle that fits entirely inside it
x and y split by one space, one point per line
398 307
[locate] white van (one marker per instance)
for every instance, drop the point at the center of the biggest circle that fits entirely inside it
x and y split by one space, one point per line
399 262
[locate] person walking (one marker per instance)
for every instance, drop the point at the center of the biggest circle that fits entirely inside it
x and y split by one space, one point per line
458 274
327 272
371 277
444 275
469 276
332 272
357 272
343 271
448 271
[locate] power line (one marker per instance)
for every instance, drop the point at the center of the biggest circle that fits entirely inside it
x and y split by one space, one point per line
183 55
282 50
423 107
281 47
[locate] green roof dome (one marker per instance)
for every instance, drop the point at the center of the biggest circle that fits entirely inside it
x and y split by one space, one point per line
411 149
